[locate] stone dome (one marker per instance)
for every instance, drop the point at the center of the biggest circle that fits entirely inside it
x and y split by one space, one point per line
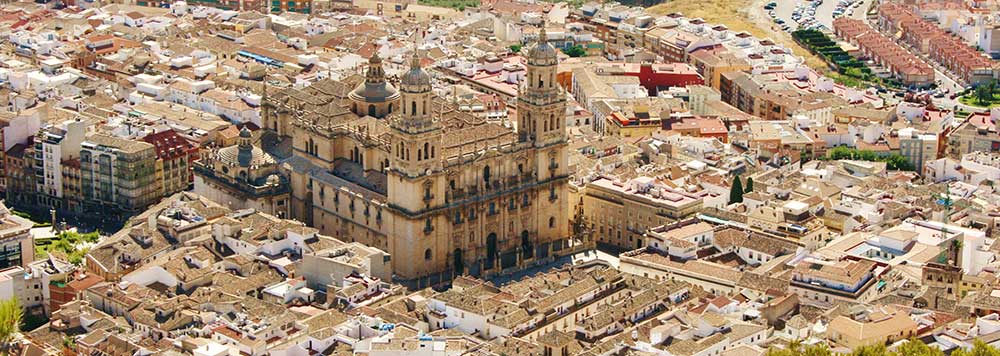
375 92
416 76
541 52
244 156
375 89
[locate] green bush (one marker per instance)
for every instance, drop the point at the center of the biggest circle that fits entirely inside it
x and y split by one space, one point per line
575 51
893 161
459 5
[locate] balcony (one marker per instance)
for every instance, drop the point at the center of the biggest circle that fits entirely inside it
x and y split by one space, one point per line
456 194
527 178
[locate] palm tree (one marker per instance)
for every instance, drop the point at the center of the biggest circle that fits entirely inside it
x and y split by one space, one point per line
11 315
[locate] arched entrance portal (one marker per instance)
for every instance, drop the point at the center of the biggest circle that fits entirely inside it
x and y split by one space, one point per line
458 265
527 251
491 250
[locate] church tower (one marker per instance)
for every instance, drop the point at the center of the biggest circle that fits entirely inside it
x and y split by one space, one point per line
416 133
415 179
541 126
541 103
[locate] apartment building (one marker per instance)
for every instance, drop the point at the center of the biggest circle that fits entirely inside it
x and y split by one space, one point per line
17 249
118 174
52 146
622 212
918 147
174 158
824 282
712 62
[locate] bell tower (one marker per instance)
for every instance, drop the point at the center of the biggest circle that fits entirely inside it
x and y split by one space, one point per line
415 146
415 178
416 134
541 128
541 101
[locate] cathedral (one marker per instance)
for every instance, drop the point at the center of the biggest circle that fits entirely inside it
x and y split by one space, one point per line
445 193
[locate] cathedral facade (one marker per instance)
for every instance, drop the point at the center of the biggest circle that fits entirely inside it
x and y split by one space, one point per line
444 192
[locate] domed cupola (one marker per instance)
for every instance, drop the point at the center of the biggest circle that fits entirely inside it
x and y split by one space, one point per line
375 96
416 98
416 80
542 53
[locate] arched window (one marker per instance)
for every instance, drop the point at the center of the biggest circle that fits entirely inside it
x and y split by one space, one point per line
419 154
427 254
552 222
413 108
371 110
390 107
486 176
426 153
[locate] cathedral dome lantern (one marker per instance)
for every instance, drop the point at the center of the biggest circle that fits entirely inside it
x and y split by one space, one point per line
416 98
542 53
244 153
375 96
416 80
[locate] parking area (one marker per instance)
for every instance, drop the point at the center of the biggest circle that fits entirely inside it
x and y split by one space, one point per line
813 14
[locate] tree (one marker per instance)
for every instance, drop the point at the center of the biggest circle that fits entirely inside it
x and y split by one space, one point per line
575 51
515 48
871 350
979 348
736 191
984 93
11 315
912 347
795 348
749 187
917 348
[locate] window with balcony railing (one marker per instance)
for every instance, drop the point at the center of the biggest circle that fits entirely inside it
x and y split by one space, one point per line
428 226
